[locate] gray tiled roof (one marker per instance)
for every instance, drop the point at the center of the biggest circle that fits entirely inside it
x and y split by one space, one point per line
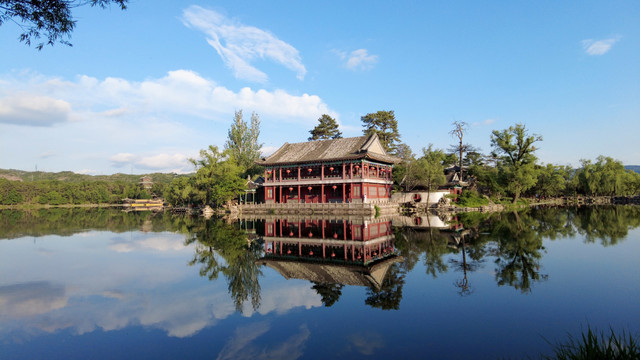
361 147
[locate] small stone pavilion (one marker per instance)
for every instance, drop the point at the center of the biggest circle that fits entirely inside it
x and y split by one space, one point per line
349 170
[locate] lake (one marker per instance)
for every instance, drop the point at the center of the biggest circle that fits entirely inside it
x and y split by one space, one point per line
107 284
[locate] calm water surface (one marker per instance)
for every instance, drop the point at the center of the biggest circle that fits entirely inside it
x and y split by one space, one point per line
108 284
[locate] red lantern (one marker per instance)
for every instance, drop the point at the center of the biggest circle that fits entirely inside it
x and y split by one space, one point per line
309 188
357 166
335 235
333 254
331 168
289 251
310 234
290 234
288 171
309 170
268 171
311 252
334 187
290 189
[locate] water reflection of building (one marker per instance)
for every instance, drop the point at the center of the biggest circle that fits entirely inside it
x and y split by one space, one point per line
348 252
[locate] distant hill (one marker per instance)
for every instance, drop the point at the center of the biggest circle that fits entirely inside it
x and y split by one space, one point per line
69 176
635 168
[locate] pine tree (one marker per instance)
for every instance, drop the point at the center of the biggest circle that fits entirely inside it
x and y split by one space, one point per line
327 128
385 125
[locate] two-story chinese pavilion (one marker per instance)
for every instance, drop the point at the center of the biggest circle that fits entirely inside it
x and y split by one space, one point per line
349 170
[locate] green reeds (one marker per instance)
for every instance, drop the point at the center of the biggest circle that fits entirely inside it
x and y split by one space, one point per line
593 345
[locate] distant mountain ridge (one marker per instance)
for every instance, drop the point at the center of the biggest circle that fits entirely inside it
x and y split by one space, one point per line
635 168
69 176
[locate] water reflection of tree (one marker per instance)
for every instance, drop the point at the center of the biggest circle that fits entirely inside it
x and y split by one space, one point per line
519 251
224 248
330 293
607 224
390 293
411 244
467 265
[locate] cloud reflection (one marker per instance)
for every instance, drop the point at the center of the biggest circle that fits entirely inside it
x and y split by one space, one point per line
242 344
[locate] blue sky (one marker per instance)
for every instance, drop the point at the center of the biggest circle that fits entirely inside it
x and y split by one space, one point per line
142 90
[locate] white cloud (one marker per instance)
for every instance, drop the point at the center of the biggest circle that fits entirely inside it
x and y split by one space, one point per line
155 124
268 150
177 162
599 47
238 45
123 158
33 110
358 59
181 92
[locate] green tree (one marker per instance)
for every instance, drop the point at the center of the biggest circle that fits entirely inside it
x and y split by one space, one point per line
327 128
427 170
51 18
385 125
218 177
552 180
181 191
515 150
242 142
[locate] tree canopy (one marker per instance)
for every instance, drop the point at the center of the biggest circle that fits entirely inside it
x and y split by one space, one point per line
327 128
385 125
514 147
51 19
242 142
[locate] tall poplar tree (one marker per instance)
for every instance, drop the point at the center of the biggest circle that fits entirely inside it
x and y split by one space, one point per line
242 143
327 128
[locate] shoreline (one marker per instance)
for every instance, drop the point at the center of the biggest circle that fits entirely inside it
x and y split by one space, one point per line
493 207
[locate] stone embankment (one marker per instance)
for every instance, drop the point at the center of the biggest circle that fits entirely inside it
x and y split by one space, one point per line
366 209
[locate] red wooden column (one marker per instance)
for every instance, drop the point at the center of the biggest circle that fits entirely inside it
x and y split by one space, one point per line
344 192
350 170
280 196
298 172
344 229
344 171
321 171
322 223
298 186
322 193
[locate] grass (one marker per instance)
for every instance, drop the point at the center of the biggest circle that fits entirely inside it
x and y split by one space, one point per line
471 198
593 345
